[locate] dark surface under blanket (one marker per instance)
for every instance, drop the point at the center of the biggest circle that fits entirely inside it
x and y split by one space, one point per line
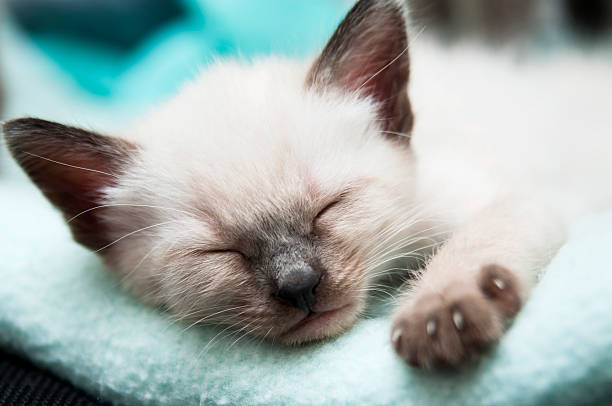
23 384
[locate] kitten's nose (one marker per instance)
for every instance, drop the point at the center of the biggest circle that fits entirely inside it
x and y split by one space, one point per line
298 287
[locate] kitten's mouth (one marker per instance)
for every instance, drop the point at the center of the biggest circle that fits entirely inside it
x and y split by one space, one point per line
320 324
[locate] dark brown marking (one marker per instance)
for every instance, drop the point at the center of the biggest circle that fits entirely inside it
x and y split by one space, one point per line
368 54
54 155
500 286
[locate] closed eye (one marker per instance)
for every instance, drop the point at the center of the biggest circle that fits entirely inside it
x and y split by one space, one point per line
222 252
327 208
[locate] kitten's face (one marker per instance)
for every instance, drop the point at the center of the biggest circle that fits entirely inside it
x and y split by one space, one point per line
302 180
262 197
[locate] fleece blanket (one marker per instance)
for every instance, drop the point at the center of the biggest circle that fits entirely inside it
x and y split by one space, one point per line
61 309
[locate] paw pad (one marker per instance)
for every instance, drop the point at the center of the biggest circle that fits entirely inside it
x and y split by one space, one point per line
452 326
501 287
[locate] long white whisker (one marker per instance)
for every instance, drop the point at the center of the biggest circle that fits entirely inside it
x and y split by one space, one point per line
416 36
126 204
383 69
71 166
134 232
247 332
199 321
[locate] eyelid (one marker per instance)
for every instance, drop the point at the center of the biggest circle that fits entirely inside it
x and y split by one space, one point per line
222 251
327 207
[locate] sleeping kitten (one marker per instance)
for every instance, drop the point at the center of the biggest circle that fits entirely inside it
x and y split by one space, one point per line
271 196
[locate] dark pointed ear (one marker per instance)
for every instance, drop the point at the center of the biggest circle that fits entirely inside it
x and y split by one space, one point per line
71 167
368 54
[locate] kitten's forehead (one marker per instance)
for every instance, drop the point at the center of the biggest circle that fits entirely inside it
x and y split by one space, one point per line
250 141
237 111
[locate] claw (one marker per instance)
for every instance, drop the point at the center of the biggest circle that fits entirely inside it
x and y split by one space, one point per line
431 327
501 285
458 319
395 337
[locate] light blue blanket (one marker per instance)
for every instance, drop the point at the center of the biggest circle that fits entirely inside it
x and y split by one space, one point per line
60 308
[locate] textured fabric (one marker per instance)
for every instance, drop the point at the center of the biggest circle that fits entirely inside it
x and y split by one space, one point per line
58 306
22 384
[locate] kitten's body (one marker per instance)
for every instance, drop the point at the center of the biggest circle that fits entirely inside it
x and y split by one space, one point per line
536 126
260 186
507 162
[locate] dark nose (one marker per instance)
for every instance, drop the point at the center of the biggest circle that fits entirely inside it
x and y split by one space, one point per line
298 287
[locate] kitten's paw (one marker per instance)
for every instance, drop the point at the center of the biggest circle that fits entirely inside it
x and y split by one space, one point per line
448 328
500 286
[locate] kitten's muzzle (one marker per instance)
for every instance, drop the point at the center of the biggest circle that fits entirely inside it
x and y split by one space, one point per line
298 287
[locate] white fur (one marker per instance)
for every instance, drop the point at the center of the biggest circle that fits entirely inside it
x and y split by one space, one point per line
503 155
499 123
492 130
509 153
487 130
244 141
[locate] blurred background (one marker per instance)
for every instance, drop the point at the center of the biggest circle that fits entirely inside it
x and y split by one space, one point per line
103 62
120 56
497 21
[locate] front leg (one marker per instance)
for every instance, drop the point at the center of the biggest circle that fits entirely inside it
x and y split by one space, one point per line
478 280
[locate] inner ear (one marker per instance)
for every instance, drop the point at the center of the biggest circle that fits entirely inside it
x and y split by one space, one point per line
368 55
72 167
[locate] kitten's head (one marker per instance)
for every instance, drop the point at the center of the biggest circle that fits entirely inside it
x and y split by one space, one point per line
263 196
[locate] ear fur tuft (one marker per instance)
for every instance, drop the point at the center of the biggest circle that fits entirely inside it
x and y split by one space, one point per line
368 55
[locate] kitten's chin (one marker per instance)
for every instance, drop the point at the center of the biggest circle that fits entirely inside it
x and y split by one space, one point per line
320 325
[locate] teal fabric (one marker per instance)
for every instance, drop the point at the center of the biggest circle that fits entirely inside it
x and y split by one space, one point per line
60 308
210 28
